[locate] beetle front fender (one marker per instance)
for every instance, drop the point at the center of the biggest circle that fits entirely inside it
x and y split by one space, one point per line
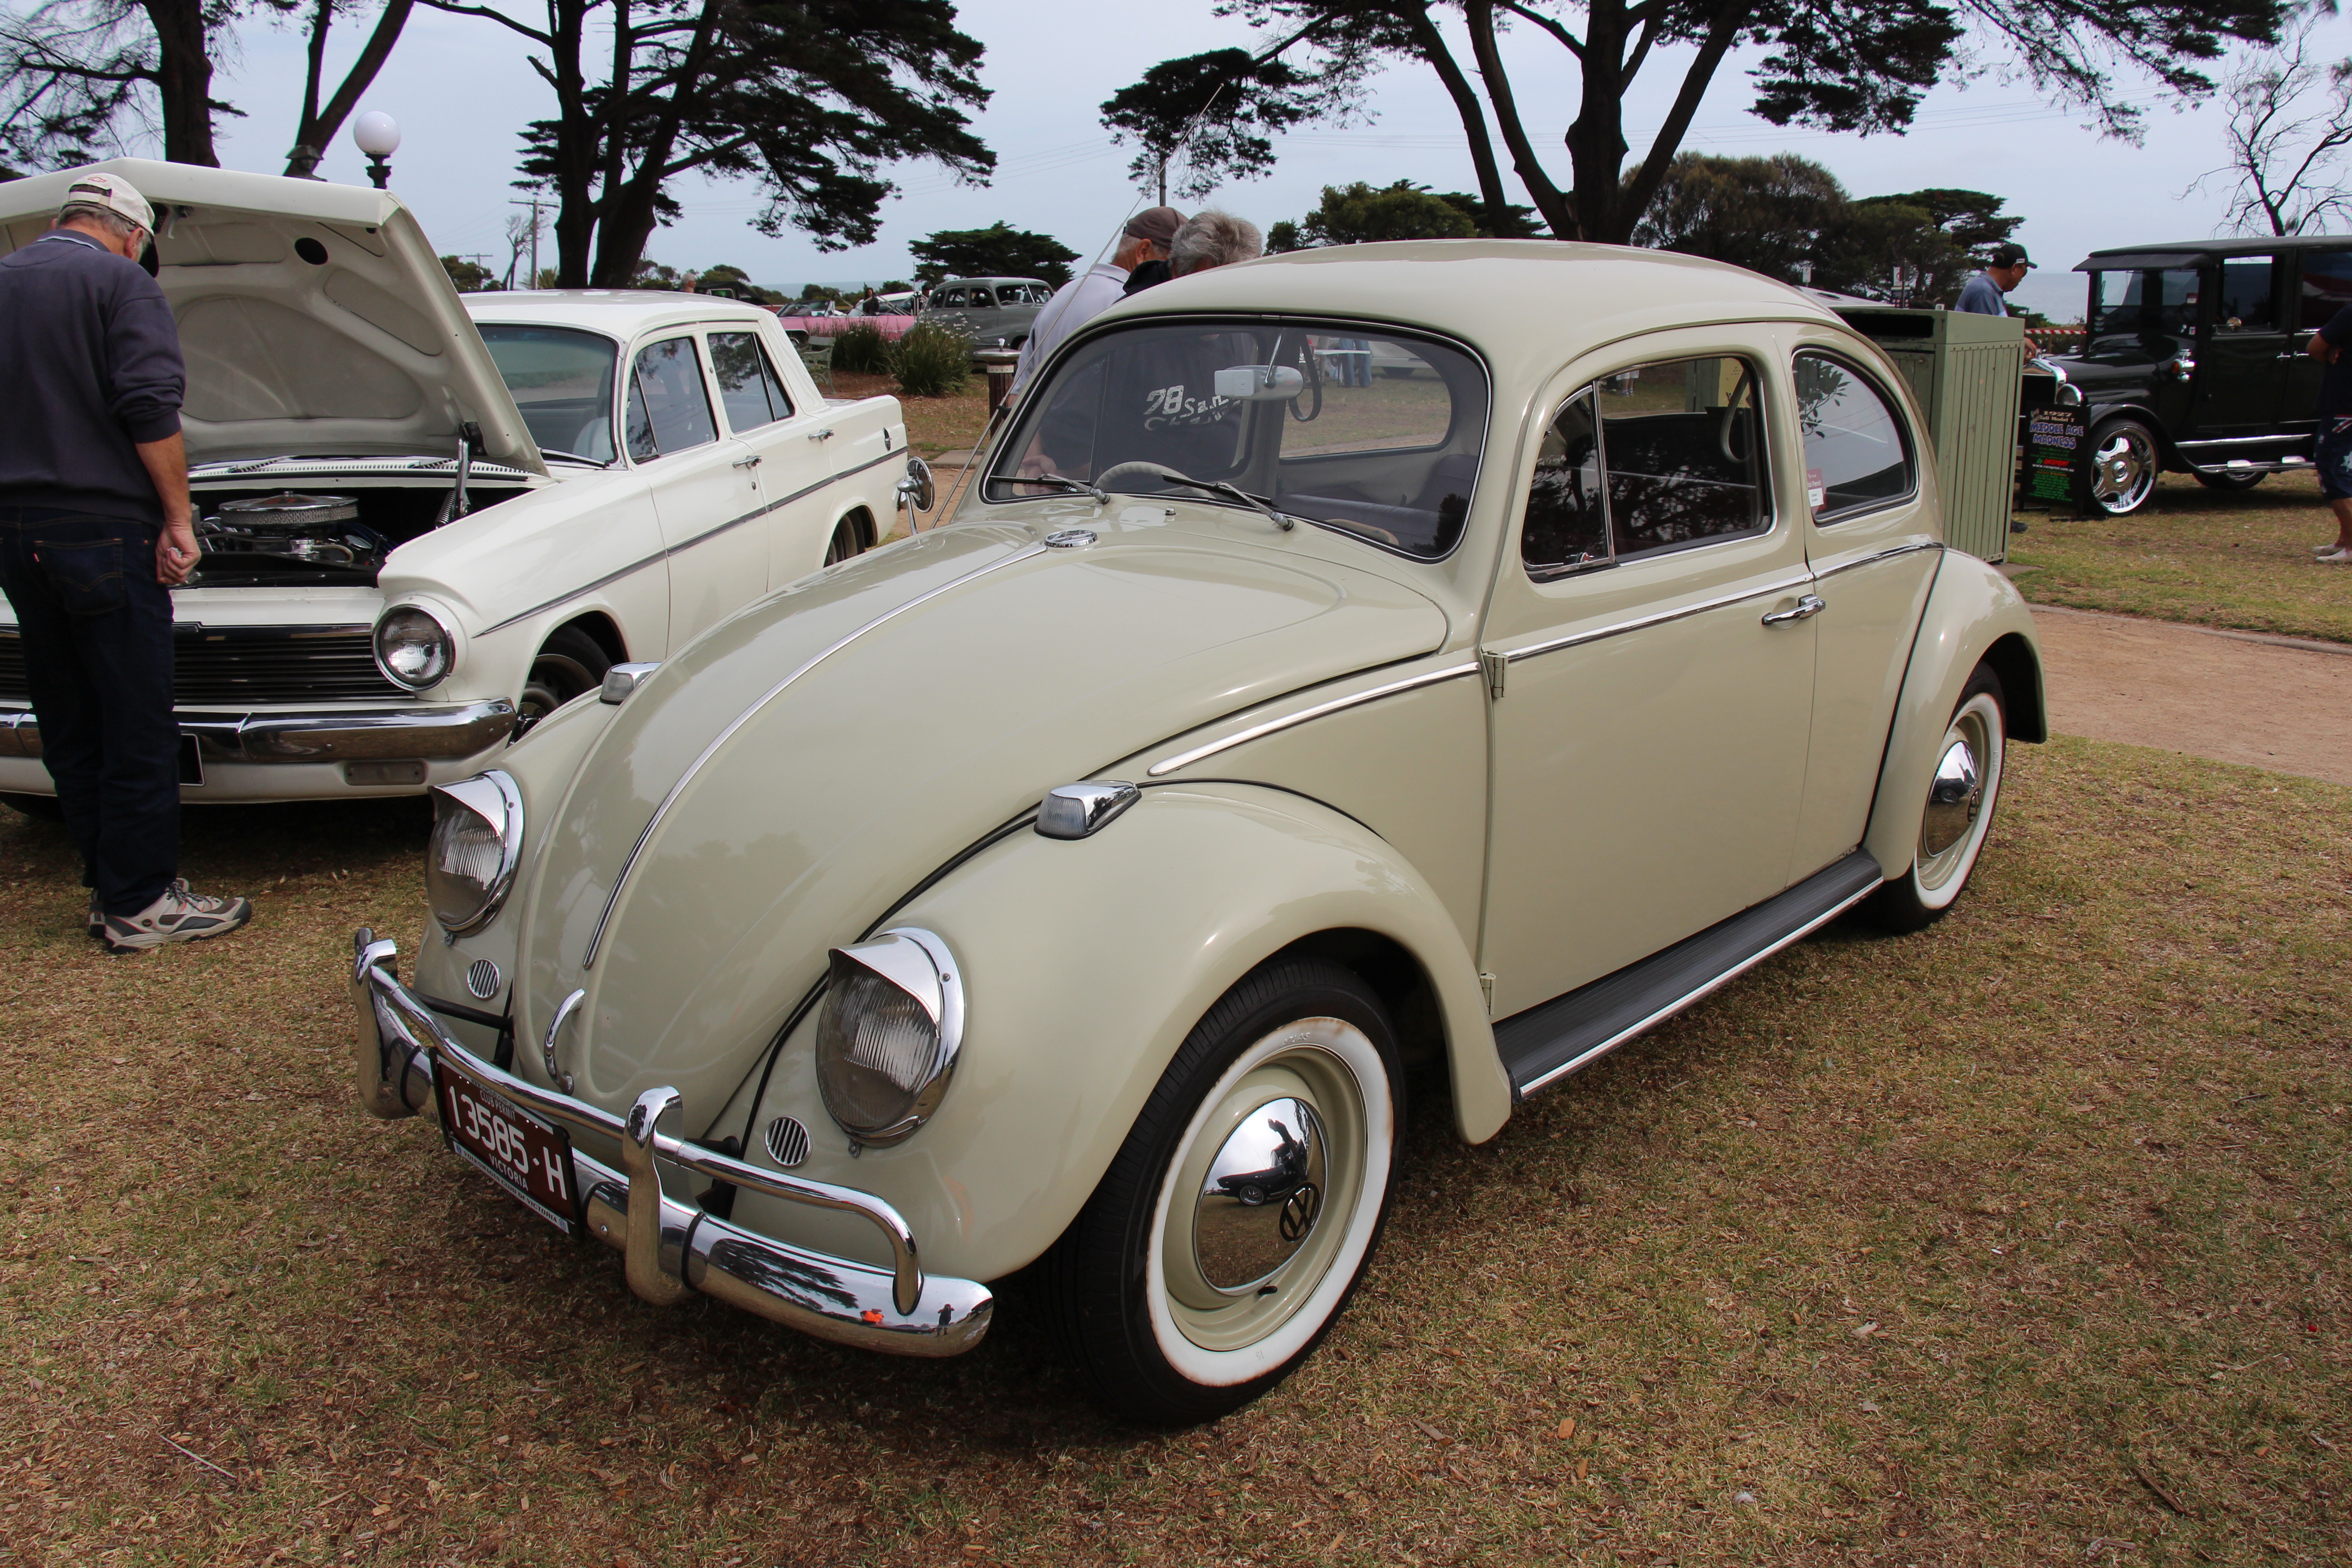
1086 962
1974 615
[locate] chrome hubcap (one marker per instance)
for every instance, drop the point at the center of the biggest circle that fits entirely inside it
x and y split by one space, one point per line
2123 471
1953 800
1263 1196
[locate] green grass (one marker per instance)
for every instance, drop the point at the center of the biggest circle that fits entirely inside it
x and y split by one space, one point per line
2076 1159
2194 555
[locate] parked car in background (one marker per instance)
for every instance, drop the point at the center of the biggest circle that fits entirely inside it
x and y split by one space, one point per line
807 328
428 519
2192 362
1078 880
994 312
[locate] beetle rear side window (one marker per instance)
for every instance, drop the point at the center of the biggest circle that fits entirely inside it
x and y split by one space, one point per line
669 407
1684 453
747 381
1856 459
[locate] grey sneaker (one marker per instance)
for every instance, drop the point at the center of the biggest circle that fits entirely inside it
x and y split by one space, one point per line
178 916
2335 558
97 918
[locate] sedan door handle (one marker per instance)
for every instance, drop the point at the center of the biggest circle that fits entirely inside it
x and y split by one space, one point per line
1806 609
820 435
750 462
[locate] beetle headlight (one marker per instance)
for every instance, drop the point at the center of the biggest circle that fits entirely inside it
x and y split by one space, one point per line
887 1039
476 843
412 647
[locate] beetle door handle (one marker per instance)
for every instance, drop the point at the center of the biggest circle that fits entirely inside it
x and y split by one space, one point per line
750 462
1805 609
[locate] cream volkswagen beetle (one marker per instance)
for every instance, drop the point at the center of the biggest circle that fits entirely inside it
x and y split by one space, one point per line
1077 882
429 519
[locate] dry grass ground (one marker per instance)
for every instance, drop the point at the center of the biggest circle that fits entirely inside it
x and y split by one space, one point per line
2020 1240
934 425
2194 554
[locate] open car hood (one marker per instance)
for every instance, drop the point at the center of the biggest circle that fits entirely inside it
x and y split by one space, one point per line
315 318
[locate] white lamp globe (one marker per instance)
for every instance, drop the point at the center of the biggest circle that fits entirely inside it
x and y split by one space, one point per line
377 134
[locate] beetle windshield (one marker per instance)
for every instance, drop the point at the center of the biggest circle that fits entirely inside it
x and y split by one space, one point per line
561 379
1367 430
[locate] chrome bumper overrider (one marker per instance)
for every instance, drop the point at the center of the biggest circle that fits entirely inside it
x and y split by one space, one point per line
345 736
671 1247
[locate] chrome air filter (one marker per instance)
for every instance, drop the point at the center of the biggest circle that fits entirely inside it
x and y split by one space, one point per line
288 513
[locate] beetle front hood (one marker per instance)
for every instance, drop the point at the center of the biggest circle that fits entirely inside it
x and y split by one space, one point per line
816 757
315 318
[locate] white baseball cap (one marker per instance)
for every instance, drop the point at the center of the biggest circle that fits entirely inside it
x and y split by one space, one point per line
98 189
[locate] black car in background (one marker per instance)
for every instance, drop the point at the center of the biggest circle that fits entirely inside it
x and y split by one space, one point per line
2192 361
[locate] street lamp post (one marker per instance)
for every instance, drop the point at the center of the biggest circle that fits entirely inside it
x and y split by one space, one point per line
377 135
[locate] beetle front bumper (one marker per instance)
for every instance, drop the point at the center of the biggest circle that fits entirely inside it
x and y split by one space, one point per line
671 1247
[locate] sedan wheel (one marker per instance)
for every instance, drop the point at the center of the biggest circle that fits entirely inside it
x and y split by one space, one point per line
1238 1216
570 665
1961 793
2124 466
847 540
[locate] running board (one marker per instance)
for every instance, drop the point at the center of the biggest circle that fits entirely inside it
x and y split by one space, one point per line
1552 1039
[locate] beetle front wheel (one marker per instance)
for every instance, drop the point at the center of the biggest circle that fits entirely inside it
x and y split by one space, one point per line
1239 1214
1961 793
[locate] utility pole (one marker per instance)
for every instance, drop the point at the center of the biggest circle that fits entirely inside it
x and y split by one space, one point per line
534 204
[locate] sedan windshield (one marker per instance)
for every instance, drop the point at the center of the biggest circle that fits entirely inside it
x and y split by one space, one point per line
1367 430
561 379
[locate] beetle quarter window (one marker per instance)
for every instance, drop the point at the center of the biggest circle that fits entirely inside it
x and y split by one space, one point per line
747 381
1566 529
1684 452
2326 287
669 408
1855 456
2246 302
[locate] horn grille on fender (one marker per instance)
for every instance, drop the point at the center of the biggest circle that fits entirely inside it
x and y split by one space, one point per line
787 1141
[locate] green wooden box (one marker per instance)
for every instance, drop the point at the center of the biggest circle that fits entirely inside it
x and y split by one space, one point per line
1965 370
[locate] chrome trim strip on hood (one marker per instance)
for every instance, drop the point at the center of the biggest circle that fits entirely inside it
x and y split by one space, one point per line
621 879
1271 726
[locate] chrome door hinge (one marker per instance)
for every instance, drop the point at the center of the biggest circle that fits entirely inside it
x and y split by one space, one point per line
1486 983
1493 665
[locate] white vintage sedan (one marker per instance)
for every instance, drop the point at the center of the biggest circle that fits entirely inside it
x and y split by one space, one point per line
1079 881
429 520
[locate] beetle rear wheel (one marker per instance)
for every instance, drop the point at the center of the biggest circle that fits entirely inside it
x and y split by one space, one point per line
568 665
1961 793
1236 1219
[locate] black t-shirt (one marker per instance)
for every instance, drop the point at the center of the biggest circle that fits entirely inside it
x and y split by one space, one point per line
2336 385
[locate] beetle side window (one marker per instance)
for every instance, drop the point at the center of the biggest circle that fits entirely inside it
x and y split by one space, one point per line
669 407
1684 453
2326 287
1856 459
748 386
2246 302
1567 528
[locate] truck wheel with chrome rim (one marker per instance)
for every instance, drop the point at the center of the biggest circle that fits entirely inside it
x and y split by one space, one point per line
2230 483
2120 474
1236 1219
1961 793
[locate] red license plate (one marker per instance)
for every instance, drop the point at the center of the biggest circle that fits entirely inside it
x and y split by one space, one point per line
524 1153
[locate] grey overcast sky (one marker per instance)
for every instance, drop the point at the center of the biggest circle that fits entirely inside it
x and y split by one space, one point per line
462 90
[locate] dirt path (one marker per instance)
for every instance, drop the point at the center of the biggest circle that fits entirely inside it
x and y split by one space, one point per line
2269 702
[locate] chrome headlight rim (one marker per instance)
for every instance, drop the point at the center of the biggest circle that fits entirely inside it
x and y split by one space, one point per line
446 638
497 800
919 964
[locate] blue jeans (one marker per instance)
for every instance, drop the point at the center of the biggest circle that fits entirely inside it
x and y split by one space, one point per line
97 631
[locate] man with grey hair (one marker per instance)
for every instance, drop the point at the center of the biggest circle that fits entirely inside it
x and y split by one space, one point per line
1213 238
95 530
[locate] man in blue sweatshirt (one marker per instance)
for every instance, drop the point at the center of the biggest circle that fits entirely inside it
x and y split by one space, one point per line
95 530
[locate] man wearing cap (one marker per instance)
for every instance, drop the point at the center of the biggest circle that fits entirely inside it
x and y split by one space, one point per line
2002 274
94 532
1146 238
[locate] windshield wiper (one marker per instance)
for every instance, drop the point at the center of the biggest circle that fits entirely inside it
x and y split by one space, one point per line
1100 499
1214 487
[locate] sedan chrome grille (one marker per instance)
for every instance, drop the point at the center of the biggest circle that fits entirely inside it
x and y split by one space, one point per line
242 666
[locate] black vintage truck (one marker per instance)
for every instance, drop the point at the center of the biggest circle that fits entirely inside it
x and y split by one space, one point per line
2192 361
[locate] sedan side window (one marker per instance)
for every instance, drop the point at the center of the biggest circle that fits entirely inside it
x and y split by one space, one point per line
1567 529
1856 459
1684 452
669 406
747 385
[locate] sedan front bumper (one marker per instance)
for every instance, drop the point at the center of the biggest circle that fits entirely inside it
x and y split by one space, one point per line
335 735
671 1247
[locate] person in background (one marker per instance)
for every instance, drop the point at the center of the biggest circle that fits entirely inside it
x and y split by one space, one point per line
95 530
2002 274
2333 455
1213 238
1145 239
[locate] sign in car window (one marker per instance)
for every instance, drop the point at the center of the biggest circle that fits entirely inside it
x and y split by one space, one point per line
1855 456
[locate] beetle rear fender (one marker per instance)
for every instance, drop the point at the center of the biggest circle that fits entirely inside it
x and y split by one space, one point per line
1974 617
1086 962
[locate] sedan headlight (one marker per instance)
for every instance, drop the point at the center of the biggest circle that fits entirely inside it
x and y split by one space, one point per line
476 843
887 1037
412 647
